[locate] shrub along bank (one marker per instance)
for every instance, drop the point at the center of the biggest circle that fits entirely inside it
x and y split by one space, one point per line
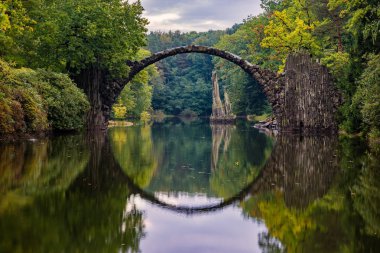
38 100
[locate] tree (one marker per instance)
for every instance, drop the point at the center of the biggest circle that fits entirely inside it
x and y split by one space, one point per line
363 22
360 88
291 30
90 40
14 21
367 97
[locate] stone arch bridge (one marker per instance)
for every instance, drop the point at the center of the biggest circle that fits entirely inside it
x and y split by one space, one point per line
303 98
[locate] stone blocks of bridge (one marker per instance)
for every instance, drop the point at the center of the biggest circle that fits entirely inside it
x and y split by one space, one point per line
310 99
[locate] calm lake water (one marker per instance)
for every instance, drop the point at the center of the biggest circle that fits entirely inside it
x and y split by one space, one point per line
182 186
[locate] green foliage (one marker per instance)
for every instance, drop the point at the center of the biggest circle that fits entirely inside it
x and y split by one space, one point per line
271 5
291 30
33 101
71 37
145 117
119 111
14 21
76 35
340 66
338 63
367 97
363 22
22 108
136 97
66 104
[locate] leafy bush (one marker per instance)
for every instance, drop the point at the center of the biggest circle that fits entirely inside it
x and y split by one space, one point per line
35 115
145 117
21 107
119 111
66 104
367 97
32 101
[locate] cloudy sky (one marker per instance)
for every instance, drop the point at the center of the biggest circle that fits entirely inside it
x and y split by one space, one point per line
197 15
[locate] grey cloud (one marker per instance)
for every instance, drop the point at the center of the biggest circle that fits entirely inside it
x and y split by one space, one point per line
199 15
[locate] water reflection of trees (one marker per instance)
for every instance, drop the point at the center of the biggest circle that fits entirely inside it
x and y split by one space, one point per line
76 201
193 158
366 192
184 149
133 149
238 163
40 167
312 201
68 194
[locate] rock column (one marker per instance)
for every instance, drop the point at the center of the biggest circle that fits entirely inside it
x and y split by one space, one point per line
221 113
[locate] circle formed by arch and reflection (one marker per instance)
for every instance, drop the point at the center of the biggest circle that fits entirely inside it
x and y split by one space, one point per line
225 163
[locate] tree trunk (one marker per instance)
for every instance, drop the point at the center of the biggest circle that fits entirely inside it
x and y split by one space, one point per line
92 80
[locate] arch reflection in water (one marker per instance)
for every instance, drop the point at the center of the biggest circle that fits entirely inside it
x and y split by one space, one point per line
302 169
186 159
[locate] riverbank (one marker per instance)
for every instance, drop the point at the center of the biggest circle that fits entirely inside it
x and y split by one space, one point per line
114 123
23 136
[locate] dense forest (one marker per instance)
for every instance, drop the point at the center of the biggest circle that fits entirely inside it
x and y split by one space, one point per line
48 46
185 86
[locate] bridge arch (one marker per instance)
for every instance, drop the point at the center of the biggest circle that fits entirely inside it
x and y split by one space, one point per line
267 79
251 69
